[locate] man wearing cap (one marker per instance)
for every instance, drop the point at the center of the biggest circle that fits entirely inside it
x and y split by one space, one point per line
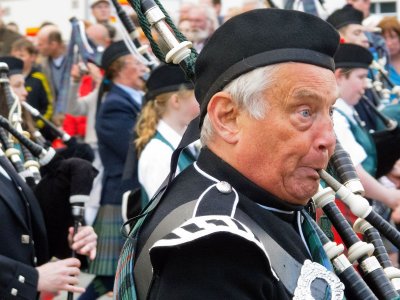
115 121
234 224
24 251
348 21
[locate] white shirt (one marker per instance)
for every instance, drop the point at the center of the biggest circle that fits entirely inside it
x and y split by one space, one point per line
155 159
345 135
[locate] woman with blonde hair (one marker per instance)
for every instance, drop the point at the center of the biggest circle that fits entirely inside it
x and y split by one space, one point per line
170 106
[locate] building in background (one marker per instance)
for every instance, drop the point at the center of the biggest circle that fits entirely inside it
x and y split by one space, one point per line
30 14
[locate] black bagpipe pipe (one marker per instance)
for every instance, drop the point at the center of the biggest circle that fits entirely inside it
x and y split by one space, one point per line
74 148
358 251
372 236
379 84
361 208
387 141
65 137
62 192
375 269
130 28
355 286
14 108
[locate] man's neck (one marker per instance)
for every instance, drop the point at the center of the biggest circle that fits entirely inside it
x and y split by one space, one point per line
57 53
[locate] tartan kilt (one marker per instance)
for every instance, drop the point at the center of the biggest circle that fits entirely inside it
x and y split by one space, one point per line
107 225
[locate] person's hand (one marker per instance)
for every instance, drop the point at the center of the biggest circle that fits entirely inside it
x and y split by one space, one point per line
58 119
84 242
396 215
95 73
59 276
76 73
394 174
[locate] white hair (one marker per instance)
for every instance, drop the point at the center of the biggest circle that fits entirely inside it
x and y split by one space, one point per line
247 91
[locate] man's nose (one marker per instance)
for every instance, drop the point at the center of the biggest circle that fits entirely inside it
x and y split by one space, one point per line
326 139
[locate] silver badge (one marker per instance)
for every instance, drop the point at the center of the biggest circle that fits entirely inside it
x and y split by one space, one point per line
311 271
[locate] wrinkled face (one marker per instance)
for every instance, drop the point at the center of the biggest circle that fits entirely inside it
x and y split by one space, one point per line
352 86
392 42
17 84
283 151
132 72
101 12
355 34
200 26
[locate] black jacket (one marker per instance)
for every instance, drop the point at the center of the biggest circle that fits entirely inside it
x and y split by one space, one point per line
22 235
221 266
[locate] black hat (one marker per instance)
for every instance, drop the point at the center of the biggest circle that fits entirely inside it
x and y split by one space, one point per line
345 16
113 52
259 38
164 79
352 56
15 65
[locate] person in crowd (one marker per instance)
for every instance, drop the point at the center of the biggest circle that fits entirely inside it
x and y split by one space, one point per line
17 83
203 22
114 128
266 131
36 83
51 47
352 62
7 36
24 257
348 21
13 27
101 11
170 106
391 32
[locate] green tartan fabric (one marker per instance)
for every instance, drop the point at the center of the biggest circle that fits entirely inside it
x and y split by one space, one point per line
124 284
316 248
109 243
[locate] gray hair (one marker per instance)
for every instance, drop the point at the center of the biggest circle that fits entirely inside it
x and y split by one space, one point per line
247 91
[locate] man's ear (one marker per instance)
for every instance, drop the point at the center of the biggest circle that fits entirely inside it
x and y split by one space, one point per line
338 74
223 113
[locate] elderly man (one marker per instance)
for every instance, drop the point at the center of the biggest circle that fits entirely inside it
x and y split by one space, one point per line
203 22
266 130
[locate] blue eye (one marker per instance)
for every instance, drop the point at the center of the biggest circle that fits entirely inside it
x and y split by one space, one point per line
331 111
305 113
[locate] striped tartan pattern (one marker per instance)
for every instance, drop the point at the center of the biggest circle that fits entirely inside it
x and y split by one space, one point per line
124 284
107 226
316 248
